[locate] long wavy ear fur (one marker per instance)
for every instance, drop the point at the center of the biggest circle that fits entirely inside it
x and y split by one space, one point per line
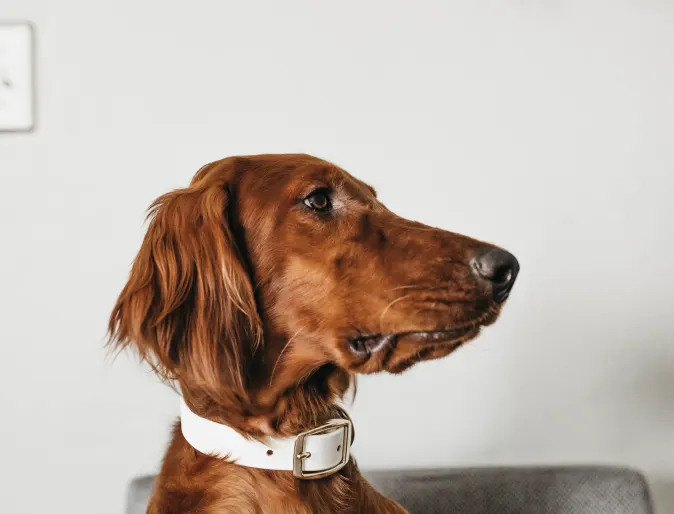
188 306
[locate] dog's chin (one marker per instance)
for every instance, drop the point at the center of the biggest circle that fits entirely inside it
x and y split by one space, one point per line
396 352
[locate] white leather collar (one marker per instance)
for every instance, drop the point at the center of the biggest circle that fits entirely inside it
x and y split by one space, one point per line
315 453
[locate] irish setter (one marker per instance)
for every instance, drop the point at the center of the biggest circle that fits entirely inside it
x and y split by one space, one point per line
262 289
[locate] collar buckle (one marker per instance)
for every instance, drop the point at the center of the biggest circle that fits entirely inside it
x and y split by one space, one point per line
299 455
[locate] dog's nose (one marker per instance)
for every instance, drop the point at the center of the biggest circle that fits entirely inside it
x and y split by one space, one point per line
500 268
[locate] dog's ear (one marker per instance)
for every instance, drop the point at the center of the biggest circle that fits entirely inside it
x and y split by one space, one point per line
189 307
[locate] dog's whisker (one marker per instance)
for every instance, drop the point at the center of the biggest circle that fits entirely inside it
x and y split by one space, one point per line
386 309
306 376
429 308
435 287
281 354
412 227
413 286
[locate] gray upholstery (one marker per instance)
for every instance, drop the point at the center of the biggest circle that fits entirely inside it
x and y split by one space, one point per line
564 490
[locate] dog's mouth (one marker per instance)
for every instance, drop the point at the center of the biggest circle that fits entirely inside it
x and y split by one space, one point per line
371 344
366 345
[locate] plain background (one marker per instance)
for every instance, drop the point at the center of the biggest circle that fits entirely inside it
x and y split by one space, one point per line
543 126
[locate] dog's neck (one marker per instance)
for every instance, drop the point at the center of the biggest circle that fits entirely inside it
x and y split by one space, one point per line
282 408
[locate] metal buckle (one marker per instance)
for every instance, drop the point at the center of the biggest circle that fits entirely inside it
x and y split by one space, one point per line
299 454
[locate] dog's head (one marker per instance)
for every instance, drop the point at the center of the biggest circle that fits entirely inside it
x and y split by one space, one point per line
268 269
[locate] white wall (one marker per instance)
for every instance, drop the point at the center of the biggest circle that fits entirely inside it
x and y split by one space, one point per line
544 126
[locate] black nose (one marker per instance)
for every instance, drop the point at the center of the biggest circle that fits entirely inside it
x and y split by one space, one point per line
500 268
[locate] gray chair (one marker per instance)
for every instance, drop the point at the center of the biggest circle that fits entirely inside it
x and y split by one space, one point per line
550 490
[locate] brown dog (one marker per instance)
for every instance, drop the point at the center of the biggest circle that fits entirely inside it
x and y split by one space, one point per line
262 289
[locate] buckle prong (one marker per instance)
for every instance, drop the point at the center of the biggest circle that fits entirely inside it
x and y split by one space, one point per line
300 455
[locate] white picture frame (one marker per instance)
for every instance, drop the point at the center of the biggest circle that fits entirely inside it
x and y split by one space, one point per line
17 76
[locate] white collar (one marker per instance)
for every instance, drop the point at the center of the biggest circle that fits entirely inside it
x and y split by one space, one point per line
316 453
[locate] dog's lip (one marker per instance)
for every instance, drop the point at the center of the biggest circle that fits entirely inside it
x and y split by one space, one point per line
369 344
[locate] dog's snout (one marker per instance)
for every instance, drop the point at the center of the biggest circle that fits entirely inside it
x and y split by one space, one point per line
500 268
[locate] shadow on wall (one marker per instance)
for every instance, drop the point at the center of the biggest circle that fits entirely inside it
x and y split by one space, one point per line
656 397
615 405
648 395
662 490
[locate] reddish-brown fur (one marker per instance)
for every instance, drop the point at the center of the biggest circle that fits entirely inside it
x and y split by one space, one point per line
251 301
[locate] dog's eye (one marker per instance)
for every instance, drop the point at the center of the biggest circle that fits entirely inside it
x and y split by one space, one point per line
319 201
